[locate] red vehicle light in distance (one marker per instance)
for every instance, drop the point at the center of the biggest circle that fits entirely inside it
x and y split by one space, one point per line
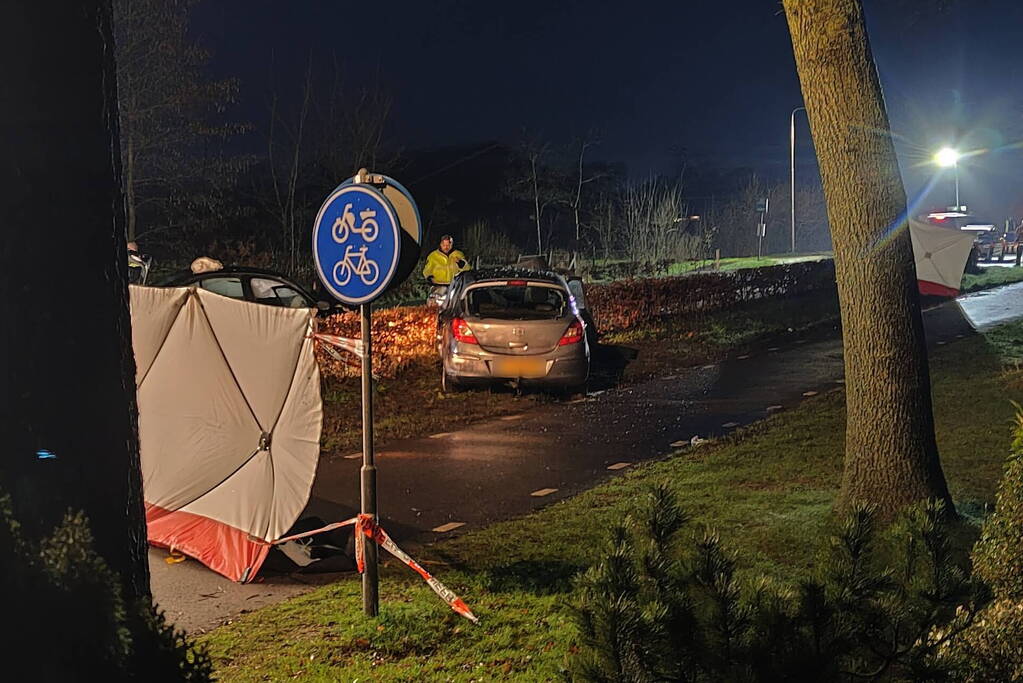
573 335
516 283
462 332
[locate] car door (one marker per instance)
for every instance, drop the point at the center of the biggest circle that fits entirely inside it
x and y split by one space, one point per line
575 286
446 312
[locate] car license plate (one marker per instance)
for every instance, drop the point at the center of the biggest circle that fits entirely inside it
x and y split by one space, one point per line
519 367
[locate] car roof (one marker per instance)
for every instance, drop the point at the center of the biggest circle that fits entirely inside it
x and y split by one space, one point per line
510 273
183 277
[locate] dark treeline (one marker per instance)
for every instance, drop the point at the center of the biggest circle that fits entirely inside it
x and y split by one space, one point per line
201 180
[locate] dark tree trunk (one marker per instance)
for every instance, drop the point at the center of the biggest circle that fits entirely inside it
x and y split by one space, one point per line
68 384
891 458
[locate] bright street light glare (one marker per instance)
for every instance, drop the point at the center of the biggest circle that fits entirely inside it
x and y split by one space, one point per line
946 157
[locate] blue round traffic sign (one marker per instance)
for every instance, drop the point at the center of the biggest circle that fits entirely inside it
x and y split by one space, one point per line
356 243
404 206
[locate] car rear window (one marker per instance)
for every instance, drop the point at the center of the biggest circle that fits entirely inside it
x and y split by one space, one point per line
516 302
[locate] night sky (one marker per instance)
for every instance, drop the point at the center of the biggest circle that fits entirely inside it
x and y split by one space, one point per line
715 78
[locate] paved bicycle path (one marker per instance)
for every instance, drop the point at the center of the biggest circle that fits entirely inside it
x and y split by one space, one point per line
510 466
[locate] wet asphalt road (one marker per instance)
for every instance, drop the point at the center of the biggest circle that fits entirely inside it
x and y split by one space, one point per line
489 471
499 469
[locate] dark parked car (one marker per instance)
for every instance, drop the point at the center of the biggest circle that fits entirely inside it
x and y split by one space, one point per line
989 243
992 246
257 285
509 325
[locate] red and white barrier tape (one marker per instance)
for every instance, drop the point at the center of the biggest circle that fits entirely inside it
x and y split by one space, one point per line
366 527
353 346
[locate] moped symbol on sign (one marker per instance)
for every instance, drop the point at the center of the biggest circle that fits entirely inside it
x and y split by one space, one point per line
356 243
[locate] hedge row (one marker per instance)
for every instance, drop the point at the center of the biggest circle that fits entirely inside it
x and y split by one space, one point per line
622 305
402 336
406 334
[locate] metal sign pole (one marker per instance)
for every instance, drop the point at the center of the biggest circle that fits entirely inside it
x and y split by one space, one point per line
370 577
366 239
762 205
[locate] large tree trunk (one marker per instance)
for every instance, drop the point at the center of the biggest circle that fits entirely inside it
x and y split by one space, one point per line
69 369
891 458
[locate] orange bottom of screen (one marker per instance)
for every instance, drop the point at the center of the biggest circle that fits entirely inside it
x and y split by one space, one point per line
223 548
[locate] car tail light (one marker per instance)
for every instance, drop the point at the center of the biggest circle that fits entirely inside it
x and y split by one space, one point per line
516 283
573 335
461 331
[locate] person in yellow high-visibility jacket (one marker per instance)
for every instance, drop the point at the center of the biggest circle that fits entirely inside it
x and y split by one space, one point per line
444 263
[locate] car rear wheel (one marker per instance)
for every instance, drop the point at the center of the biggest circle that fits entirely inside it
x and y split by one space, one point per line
575 390
448 385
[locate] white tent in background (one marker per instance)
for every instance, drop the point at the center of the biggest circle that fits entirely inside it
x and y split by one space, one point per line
229 422
940 254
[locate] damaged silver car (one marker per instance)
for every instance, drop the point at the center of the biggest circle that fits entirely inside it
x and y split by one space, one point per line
509 325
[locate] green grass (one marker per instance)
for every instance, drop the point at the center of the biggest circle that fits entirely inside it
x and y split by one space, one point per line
768 489
608 270
1008 340
991 277
739 263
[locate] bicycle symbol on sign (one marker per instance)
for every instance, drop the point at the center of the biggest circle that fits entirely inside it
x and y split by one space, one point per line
345 223
355 261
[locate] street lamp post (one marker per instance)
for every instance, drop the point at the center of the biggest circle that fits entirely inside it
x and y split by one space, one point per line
946 157
955 174
792 174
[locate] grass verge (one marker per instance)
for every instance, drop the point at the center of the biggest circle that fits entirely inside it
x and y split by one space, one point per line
991 277
608 270
739 263
768 489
